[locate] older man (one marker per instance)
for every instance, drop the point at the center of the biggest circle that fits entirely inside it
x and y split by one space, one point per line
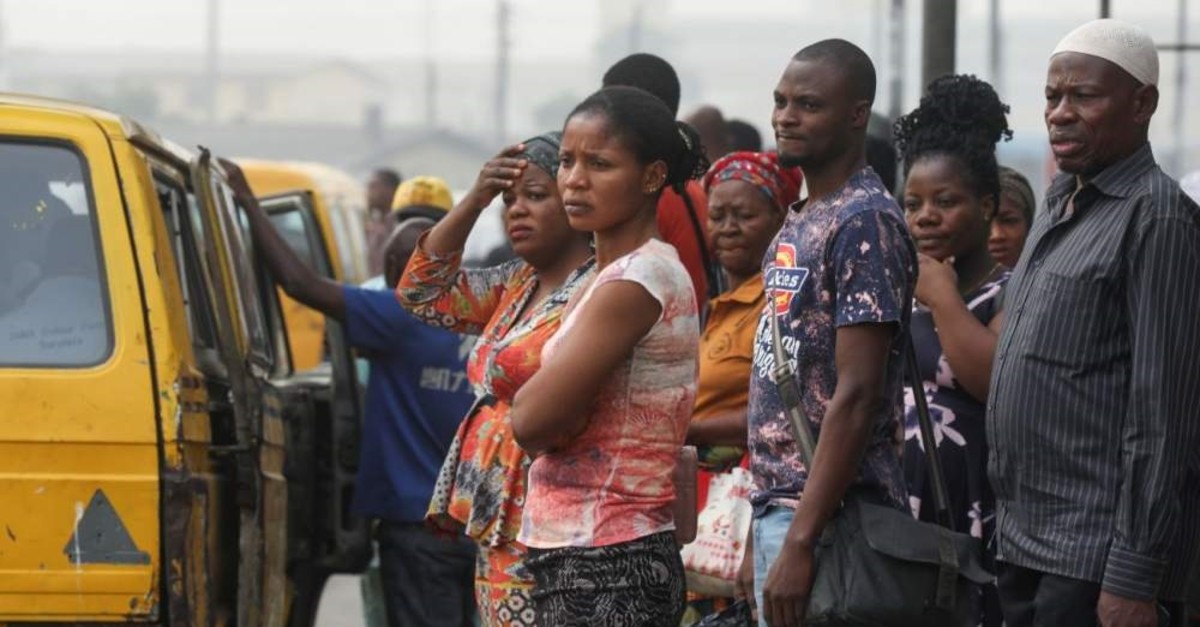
1092 415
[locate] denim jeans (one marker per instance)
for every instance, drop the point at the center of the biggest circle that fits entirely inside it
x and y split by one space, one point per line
770 528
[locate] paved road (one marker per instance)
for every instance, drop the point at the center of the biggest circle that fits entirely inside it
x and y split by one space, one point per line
341 603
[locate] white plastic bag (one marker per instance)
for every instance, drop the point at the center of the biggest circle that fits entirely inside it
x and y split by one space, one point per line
712 560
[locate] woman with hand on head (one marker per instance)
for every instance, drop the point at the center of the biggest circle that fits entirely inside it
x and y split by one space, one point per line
607 414
951 194
514 308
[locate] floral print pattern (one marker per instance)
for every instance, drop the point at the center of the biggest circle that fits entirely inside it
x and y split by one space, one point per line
482 485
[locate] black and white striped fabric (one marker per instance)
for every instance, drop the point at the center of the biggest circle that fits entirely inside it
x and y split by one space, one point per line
1094 413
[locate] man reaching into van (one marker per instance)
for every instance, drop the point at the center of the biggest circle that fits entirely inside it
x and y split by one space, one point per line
416 395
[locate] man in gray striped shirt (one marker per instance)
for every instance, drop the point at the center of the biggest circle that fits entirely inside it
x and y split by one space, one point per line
1094 413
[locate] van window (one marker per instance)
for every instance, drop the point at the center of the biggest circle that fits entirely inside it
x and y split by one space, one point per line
289 216
177 212
276 329
53 301
247 283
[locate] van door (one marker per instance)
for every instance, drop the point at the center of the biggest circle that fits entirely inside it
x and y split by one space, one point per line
79 459
306 579
199 493
340 542
258 450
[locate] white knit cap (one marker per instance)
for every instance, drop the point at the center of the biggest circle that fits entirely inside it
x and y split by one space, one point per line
1122 43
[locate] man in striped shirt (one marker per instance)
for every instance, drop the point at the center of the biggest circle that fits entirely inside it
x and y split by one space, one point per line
1092 418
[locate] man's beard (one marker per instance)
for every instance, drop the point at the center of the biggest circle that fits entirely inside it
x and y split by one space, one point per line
792 161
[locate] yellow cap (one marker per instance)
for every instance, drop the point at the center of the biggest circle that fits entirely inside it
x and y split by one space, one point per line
424 191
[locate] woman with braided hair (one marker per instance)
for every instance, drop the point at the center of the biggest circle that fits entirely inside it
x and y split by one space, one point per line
951 195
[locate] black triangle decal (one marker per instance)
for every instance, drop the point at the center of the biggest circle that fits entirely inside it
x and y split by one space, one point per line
101 538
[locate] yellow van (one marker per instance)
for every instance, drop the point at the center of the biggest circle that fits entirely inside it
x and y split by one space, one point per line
160 460
332 202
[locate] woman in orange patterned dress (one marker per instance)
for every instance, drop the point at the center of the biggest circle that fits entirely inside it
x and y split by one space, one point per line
514 308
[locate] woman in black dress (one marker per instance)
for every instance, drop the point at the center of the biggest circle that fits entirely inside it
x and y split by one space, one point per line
951 194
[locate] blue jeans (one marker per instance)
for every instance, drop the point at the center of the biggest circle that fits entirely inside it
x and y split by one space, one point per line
769 531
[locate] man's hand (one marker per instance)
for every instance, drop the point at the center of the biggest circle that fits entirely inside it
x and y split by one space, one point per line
1118 611
785 595
743 585
236 179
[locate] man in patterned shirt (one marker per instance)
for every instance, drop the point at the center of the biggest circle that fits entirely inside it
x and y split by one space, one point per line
840 278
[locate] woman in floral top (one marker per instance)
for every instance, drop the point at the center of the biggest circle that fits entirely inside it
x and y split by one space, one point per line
951 194
514 308
607 415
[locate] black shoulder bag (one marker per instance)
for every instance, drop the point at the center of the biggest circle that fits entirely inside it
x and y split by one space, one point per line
877 565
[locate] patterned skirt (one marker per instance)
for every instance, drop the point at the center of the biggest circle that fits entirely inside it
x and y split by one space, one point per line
504 587
638 583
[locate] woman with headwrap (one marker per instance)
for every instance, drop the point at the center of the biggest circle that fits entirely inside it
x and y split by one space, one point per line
514 308
748 198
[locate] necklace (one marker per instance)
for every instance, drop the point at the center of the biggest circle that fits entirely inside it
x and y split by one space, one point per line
982 280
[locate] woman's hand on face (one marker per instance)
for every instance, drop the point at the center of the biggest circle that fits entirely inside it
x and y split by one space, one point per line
936 280
497 175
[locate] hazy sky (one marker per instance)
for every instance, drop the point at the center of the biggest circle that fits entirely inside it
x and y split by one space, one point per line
373 28
568 30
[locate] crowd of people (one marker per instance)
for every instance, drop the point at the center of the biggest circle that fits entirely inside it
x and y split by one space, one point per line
533 485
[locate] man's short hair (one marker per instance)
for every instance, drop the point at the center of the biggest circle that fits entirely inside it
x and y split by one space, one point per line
850 59
389 176
647 72
743 136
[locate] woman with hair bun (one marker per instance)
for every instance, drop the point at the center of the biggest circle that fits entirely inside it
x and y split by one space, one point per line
951 195
606 415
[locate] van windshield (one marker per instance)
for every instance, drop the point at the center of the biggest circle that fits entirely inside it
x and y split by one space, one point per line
53 309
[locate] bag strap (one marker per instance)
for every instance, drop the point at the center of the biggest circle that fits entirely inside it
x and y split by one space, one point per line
941 498
789 391
790 396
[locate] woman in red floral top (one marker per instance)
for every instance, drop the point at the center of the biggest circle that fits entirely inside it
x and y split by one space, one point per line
514 308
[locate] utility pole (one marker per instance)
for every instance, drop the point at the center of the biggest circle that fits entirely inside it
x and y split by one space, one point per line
995 45
502 46
877 18
1105 9
212 59
938 39
3 52
636 19
896 60
1177 118
430 70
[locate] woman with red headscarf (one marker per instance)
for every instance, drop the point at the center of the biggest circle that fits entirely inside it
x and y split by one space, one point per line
748 198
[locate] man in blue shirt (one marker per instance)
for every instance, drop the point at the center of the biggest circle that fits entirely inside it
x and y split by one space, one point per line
417 392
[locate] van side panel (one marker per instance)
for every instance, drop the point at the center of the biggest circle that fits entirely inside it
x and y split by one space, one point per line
79 471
